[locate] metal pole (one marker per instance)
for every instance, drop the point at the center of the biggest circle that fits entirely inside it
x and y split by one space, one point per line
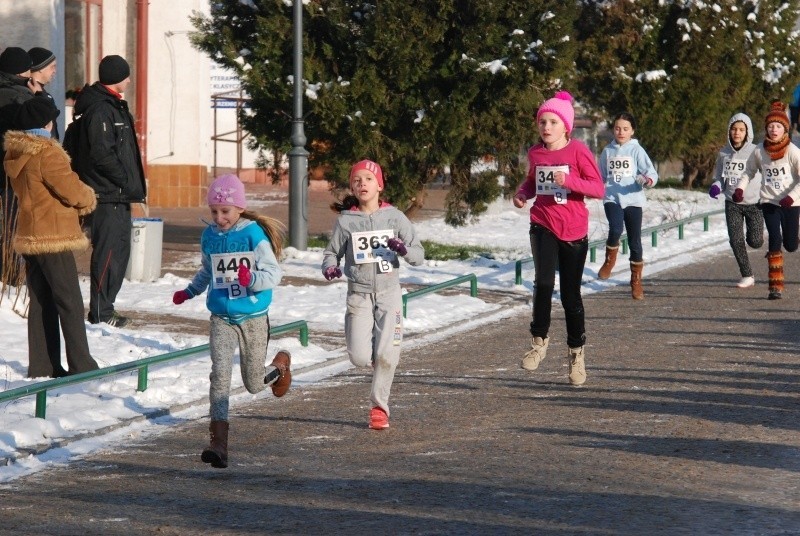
298 156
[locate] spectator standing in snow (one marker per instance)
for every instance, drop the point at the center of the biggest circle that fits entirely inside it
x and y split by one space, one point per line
731 163
371 235
562 171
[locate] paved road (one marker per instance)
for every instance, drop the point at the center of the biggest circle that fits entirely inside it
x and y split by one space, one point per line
689 424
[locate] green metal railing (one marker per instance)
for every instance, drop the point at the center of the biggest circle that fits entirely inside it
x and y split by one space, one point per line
40 388
680 224
473 289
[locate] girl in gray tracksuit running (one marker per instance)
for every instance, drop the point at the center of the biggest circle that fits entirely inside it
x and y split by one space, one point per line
371 235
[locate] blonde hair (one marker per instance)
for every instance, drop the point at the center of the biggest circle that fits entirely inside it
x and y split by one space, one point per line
275 230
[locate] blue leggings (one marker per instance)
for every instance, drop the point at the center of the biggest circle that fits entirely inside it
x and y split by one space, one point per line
632 218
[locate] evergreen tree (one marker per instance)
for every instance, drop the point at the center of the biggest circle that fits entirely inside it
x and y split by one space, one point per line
684 67
416 86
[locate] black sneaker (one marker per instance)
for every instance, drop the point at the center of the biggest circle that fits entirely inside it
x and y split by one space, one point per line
774 294
117 320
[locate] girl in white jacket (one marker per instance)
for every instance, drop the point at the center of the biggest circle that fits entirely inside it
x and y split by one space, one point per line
778 160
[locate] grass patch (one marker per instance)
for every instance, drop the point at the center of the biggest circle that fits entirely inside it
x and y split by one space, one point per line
444 252
318 241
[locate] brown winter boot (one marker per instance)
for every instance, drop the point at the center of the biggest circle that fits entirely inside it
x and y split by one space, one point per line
608 264
636 280
216 453
775 260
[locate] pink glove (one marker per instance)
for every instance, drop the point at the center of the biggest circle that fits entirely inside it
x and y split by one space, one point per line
396 245
738 195
787 201
180 297
332 272
245 276
644 181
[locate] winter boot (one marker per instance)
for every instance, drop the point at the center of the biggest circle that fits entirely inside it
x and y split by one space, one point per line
577 367
636 280
536 354
608 264
216 453
775 260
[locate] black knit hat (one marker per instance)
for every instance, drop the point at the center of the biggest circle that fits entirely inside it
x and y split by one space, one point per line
15 60
35 112
113 70
40 58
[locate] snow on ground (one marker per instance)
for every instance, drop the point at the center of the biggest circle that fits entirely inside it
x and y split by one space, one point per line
92 415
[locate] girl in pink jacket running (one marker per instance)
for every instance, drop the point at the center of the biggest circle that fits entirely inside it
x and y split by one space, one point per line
562 172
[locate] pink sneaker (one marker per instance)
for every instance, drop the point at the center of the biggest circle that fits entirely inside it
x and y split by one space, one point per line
378 419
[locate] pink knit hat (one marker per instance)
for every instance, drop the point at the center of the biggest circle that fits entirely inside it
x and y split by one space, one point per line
369 165
227 190
561 105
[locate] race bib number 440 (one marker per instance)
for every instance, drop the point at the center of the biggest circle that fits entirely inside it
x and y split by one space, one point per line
545 175
225 271
372 247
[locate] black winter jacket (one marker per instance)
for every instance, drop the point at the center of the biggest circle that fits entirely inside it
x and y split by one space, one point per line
13 92
108 156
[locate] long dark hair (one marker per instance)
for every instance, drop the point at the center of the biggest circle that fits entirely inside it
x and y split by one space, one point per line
626 116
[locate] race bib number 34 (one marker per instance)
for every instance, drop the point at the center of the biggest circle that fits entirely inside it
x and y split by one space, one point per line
225 271
371 246
545 175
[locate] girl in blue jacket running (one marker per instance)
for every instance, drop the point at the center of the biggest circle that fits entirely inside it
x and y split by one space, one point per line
627 171
240 251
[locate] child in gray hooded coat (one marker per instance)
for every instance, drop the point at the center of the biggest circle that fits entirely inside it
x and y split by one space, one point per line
731 163
371 235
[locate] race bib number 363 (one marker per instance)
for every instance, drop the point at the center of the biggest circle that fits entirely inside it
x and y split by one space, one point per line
225 271
371 246
545 175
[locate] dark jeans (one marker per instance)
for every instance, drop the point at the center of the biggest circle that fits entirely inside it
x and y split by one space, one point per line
632 218
782 226
551 254
55 297
110 226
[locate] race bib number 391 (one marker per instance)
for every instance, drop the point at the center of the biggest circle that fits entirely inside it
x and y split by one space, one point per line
372 247
225 271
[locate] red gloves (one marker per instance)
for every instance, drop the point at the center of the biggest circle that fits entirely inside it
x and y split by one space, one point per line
332 272
738 195
245 276
180 297
787 201
396 245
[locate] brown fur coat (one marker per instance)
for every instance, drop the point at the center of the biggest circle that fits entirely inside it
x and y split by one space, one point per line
50 195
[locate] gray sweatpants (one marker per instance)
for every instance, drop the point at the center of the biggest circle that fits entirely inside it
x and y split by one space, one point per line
373 326
252 338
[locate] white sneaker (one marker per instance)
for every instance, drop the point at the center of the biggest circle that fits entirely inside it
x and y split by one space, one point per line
746 282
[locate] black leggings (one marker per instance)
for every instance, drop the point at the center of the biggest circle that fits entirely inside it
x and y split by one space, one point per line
782 226
551 254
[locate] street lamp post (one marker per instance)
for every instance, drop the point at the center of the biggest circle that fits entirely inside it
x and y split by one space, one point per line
298 156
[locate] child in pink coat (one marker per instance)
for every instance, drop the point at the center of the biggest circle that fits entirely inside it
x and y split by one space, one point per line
562 172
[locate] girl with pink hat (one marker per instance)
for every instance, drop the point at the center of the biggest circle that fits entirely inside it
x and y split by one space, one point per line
562 173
